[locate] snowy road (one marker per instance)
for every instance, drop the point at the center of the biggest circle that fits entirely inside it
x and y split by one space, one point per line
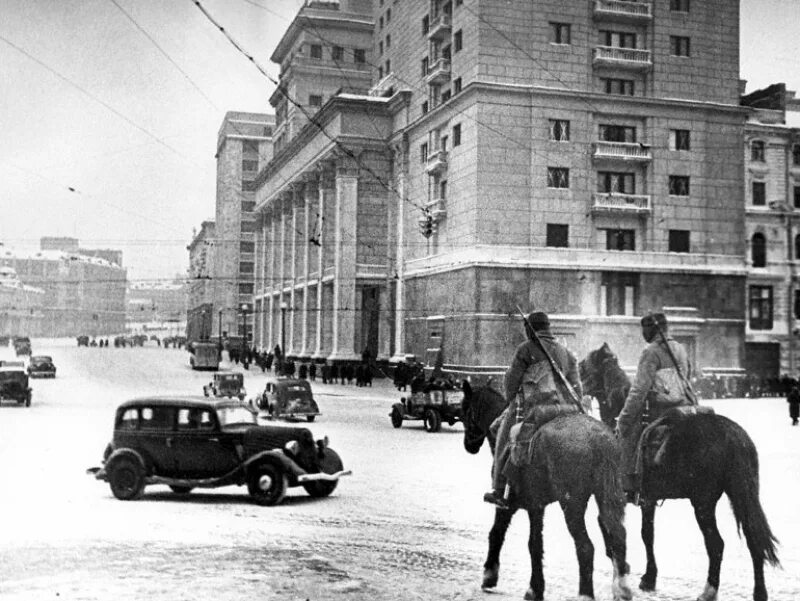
409 523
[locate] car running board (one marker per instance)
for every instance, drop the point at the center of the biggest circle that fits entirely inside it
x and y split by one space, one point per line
323 476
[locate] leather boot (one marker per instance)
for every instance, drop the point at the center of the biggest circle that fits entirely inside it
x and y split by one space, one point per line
496 498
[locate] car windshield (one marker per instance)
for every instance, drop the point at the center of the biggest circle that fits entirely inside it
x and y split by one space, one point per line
235 414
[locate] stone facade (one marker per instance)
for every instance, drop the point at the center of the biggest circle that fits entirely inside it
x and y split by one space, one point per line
244 145
581 158
772 199
201 289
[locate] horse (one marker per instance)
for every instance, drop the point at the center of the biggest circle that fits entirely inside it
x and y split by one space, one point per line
609 386
574 457
705 456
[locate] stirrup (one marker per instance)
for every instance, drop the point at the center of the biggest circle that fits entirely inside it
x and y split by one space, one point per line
496 500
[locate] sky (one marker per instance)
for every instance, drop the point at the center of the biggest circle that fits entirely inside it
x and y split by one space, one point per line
109 112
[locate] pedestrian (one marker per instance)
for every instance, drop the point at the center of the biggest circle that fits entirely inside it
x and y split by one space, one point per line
302 371
794 404
401 376
312 371
531 381
662 381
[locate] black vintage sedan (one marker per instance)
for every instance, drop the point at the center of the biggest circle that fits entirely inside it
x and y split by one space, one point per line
196 442
41 366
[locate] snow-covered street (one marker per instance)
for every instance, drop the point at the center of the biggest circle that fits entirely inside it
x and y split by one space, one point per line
408 524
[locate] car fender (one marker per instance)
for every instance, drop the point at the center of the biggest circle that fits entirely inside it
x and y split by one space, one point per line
278 457
400 407
126 452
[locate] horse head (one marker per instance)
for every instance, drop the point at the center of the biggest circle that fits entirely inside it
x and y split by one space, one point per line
603 378
479 408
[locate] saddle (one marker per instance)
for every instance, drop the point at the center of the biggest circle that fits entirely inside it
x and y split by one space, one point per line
522 435
654 440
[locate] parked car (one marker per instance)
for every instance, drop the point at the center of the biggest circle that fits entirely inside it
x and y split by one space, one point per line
42 366
226 384
195 442
288 399
14 385
83 340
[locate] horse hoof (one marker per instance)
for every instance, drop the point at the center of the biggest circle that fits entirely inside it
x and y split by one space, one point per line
648 585
531 596
490 576
709 594
620 589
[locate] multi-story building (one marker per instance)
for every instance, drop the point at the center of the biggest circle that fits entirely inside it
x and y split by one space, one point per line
20 305
82 295
157 305
244 145
200 303
772 202
577 157
71 245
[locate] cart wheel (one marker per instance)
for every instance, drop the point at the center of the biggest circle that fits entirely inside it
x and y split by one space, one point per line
396 417
433 423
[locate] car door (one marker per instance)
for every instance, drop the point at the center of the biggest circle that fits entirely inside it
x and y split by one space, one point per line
156 425
200 449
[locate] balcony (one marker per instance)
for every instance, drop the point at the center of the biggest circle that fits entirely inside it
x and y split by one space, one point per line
437 162
620 203
438 72
622 58
437 209
440 27
623 10
385 87
621 151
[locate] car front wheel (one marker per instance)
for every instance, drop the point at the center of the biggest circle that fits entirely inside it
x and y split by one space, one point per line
126 477
396 417
267 484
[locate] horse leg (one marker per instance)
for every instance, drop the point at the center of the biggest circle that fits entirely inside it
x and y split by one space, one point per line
536 550
497 535
705 514
648 581
574 510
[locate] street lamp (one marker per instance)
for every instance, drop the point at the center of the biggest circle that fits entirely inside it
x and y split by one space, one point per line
244 324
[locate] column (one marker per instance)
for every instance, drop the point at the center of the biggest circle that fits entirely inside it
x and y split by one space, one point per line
400 164
318 351
344 262
308 190
282 281
270 280
292 333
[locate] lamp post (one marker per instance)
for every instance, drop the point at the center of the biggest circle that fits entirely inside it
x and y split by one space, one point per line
244 308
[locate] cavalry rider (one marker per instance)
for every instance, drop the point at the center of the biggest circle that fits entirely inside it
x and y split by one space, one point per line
662 382
530 380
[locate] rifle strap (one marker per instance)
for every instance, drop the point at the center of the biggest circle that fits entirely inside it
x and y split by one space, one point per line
686 384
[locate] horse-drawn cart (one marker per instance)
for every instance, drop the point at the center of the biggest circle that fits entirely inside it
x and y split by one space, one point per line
433 406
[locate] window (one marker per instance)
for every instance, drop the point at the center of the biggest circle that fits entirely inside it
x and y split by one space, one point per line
425 107
246 288
388 65
558 235
380 47
247 247
380 23
315 51
194 419
446 95
620 240
619 293
446 52
680 6
247 227
156 418
678 45
760 307
248 206
617 86
557 177
443 143
249 165
679 241
388 15
610 182
560 33
424 65
388 41
129 420
757 151
248 185
457 136
246 268
797 198
617 133
458 41
315 100
796 302
758 250
617 39
457 86
759 194
443 189
426 24
559 130
679 139
359 56
250 147
796 155
423 152
796 248
380 73
337 53
679 185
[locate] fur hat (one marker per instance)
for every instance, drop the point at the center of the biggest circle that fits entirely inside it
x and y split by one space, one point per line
539 320
652 319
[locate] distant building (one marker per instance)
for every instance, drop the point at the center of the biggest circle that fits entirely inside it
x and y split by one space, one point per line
20 305
772 210
244 145
72 245
157 305
201 310
82 295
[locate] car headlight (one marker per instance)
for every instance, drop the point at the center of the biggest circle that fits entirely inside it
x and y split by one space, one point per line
292 447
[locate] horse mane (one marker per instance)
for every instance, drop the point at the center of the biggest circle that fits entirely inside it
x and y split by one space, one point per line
611 383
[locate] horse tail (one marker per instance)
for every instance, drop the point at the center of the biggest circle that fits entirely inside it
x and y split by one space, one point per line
741 487
608 490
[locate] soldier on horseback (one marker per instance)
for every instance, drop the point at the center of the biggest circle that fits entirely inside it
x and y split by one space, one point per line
530 382
662 382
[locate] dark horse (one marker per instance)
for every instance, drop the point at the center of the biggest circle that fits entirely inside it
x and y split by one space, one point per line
574 457
706 455
608 384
